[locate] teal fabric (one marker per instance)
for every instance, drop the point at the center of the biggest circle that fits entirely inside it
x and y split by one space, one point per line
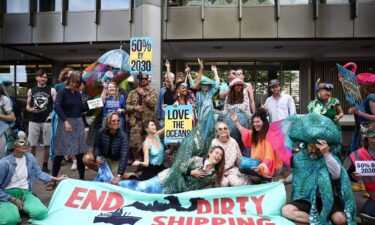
311 176
156 155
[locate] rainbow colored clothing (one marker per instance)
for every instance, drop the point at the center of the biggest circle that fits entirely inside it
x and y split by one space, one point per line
263 152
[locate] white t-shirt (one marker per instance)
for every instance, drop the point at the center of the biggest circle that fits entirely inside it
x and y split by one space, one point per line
19 179
281 109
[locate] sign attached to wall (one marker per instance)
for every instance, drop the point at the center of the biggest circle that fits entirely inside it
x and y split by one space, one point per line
365 168
85 202
95 103
178 123
141 55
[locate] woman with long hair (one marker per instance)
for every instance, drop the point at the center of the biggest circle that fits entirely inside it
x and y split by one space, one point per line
261 149
153 152
113 102
237 102
199 172
232 174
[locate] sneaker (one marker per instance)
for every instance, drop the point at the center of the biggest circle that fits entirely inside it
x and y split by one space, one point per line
45 168
74 166
367 219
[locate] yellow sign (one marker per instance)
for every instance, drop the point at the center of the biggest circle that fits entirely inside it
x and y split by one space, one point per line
141 55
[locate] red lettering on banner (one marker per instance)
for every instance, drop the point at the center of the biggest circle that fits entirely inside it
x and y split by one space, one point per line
218 221
93 200
261 220
189 220
113 197
158 220
201 221
231 221
242 221
179 221
242 201
204 206
216 206
258 204
74 196
227 205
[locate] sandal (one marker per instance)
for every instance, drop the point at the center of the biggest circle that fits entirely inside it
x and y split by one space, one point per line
51 186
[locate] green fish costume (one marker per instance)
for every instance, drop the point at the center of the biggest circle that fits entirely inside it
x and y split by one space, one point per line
311 176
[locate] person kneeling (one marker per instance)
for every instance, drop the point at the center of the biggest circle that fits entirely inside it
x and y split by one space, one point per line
110 144
17 174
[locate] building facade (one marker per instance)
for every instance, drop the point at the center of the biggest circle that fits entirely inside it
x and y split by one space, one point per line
296 41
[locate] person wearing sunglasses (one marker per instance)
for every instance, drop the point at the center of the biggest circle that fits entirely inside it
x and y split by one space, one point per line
111 144
18 172
140 106
232 175
325 104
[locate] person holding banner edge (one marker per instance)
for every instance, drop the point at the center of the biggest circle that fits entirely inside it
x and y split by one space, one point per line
366 153
18 172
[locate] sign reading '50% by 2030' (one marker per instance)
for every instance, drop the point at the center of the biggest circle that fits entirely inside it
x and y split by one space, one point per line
141 55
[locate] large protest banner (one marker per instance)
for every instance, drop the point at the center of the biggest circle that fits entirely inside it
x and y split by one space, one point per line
141 55
78 202
350 86
178 123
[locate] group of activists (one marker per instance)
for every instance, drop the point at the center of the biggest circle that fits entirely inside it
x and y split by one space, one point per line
241 144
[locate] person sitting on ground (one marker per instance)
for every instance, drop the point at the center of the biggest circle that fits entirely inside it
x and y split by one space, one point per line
17 175
198 173
111 144
261 149
232 174
321 190
366 153
153 152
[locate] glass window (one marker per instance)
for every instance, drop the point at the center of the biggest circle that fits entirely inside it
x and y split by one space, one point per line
366 1
289 77
81 5
114 4
295 2
258 2
17 6
49 5
334 1
220 2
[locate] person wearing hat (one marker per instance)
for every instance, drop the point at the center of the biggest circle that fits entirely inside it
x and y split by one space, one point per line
279 105
207 89
321 191
366 153
6 117
237 102
140 106
325 104
18 172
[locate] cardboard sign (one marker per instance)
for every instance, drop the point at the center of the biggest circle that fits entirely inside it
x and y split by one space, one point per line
365 168
141 55
178 123
85 202
96 103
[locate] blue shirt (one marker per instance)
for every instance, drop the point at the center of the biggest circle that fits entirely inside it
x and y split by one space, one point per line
112 105
7 167
159 109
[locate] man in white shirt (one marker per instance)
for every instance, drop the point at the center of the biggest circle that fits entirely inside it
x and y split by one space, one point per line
279 106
